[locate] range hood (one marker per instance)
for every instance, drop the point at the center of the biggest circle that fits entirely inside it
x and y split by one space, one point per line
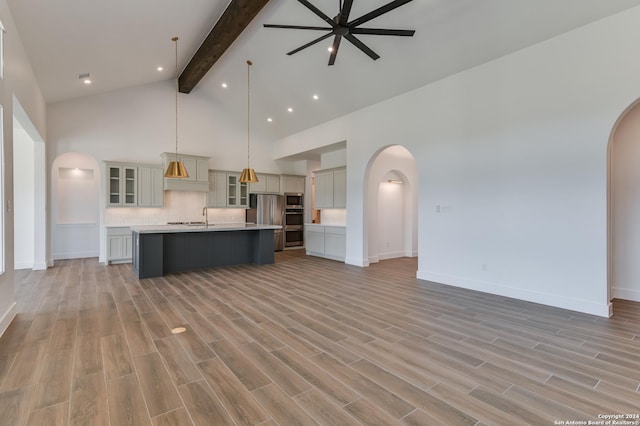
198 169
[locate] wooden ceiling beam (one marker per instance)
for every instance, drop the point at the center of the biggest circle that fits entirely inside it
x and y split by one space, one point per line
233 21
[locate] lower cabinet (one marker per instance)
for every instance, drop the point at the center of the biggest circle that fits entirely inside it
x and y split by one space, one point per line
326 241
119 244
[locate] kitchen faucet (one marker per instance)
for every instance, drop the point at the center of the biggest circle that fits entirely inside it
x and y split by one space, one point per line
205 213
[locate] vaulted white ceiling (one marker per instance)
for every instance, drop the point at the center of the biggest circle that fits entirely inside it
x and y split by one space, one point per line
121 42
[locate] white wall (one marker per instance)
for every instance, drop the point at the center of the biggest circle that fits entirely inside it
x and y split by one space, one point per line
19 81
625 199
516 149
24 199
138 124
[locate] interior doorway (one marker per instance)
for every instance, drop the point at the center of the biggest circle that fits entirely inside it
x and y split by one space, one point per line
391 208
29 193
624 206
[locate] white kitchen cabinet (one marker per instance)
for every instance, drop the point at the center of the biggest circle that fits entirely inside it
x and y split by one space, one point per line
197 168
217 195
314 241
119 244
122 184
335 243
237 192
267 184
331 188
325 241
150 186
293 184
340 189
324 190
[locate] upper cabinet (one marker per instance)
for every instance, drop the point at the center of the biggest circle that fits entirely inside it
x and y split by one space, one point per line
121 184
150 186
331 188
237 192
197 168
267 184
133 185
293 184
217 195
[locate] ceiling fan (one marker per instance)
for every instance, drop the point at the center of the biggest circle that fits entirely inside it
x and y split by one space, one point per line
342 27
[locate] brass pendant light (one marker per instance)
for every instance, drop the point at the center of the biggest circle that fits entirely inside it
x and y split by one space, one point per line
176 169
248 175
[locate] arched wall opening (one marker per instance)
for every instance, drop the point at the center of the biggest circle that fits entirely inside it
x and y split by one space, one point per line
391 205
624 206
75 206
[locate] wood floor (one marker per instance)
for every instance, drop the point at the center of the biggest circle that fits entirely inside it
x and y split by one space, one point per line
304 341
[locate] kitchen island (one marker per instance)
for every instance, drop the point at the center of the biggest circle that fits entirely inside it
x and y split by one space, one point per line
165 249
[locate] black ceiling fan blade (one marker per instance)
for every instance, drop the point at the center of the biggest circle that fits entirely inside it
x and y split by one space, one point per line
383 31
297 27
379 11
318 12
311 43
360 45
334 49
345 11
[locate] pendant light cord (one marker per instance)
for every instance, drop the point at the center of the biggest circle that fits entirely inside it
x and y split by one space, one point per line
249 63
175 39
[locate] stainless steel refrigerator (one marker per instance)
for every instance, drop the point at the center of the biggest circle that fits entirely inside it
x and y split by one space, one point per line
268 209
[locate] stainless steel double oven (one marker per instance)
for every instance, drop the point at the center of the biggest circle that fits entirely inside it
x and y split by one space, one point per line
294 220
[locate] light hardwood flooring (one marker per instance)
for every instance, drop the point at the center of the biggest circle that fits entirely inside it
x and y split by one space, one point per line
304 341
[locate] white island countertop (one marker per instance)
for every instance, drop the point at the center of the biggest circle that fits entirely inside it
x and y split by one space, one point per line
166 229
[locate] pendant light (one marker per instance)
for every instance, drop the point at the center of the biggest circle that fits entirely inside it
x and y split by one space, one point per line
176 169
248 175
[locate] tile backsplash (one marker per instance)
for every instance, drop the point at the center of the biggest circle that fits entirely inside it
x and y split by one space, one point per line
179 206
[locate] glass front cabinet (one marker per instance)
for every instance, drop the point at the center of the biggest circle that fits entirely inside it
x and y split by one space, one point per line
122 185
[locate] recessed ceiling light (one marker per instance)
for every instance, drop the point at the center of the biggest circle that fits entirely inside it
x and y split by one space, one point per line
178 330
224 85
316 97
270 120
290 109
85 78
330 49
159 69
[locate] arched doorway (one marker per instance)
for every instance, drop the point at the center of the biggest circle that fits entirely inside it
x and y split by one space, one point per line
75 206
391 205
624 206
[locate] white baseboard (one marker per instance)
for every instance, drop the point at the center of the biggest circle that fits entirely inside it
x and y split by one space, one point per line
626 294
391 255
7 317
50 263
357 262
587 307
23 265
373 259
75 255
41 266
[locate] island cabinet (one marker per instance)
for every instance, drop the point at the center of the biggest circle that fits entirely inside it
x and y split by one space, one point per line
331 188
160 250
